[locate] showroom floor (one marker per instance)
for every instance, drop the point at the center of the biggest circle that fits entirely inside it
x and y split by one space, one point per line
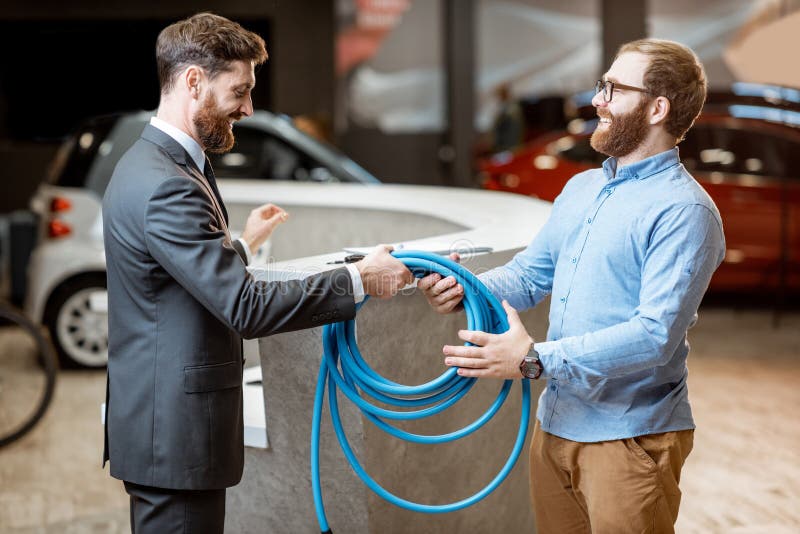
742 477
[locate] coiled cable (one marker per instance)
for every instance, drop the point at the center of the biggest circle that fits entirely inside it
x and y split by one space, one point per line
344 369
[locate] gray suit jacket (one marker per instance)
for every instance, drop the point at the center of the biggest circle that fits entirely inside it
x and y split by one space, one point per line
180 299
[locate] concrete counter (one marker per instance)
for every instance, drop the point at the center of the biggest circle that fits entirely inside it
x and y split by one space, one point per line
402 340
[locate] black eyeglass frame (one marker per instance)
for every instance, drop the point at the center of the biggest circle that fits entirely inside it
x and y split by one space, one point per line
607 87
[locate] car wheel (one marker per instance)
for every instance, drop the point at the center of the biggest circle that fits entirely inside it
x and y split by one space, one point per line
77 317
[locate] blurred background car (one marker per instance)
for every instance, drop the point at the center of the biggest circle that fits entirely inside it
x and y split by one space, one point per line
66 280
745 151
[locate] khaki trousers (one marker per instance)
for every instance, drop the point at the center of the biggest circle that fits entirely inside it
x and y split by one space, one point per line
611 487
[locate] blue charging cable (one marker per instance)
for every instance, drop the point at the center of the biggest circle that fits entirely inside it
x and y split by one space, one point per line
344 369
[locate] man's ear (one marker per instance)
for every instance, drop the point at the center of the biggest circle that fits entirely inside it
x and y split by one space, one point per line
659 110
193 78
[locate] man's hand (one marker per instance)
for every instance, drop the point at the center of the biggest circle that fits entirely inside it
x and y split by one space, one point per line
260 224
382 274
443 294
494 355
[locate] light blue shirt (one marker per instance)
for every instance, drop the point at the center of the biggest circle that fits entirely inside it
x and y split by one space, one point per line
626 257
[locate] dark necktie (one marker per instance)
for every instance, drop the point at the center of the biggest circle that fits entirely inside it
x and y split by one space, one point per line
212 181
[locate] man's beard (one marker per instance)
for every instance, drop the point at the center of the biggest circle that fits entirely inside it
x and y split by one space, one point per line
213 128
625 133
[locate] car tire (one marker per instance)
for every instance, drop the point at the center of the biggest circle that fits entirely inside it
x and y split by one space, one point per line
78 325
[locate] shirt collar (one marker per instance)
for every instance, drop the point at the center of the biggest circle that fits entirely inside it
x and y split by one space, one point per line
190 145
641 169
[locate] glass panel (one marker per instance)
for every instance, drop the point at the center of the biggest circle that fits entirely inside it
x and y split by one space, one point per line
389 63
530 55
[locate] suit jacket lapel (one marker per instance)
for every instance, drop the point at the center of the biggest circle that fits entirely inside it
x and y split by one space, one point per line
181 157
170 145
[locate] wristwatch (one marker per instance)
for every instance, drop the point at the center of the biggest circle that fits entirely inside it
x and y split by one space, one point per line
531 366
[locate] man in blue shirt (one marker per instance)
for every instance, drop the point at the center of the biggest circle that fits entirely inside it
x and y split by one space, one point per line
626 257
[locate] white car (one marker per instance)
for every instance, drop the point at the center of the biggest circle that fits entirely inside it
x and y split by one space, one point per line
66 287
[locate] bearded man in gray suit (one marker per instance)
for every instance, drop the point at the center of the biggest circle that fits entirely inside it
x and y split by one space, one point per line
180 297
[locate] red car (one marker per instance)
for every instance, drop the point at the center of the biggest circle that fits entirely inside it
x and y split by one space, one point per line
746 156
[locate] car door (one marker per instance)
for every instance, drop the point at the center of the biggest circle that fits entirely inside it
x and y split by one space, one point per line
744 165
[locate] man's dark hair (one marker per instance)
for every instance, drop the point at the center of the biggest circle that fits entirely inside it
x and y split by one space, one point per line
208 41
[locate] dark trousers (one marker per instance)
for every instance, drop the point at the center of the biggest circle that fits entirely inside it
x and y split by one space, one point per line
166 511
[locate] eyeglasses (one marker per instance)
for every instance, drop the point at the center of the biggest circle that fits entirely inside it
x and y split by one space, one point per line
607 87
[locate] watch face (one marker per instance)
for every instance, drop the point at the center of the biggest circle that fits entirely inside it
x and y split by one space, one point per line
531 368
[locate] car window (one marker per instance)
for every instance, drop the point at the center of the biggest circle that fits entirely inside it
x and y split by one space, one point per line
88 157
582 152
258 154
245 159
124 134
721 149
792 154
75 157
